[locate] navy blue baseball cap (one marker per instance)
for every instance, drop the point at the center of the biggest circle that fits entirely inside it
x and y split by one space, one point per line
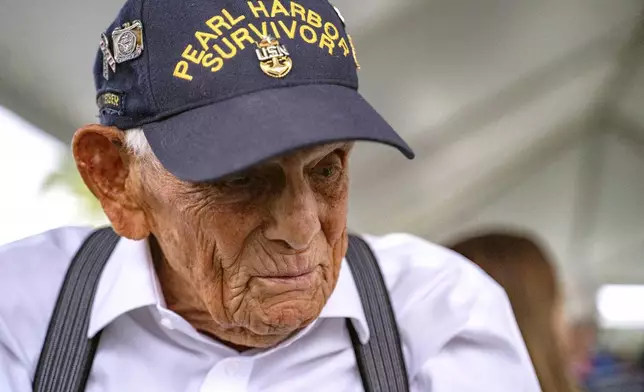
220 85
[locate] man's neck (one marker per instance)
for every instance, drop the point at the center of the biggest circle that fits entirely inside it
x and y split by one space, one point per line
181 298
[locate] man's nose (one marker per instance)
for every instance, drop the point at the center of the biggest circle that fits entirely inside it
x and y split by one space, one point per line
295 220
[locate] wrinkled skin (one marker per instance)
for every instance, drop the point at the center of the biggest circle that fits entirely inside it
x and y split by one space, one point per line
248 260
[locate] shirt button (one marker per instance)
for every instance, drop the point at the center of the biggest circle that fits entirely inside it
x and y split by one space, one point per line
167 323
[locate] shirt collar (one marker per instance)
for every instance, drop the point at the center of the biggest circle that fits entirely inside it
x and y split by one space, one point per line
345 302
129 282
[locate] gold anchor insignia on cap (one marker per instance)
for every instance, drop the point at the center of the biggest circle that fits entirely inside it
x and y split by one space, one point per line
108 59
273 58
128 41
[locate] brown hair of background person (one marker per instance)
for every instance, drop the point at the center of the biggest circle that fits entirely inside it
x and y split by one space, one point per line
521 266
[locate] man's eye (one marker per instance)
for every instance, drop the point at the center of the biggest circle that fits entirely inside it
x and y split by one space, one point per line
239 181
326 171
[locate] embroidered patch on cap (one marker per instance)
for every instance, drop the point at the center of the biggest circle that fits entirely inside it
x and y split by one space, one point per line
111 102
229 33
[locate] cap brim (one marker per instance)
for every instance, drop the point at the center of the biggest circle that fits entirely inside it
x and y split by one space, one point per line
216 140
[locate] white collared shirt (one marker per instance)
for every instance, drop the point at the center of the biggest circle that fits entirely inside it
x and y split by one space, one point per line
456 326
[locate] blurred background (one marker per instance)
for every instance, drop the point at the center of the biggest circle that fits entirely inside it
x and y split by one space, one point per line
525 114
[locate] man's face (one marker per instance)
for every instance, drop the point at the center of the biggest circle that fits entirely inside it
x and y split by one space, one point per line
259 252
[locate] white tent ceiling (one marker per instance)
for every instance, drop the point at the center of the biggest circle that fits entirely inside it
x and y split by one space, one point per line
499 98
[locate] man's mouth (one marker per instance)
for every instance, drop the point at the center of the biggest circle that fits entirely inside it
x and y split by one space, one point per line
303 276
289 277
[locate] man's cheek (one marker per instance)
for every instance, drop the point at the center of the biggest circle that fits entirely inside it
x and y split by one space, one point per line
334 226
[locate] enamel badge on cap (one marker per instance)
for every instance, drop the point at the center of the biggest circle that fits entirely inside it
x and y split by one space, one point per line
108 59
128 41
273 58
127 45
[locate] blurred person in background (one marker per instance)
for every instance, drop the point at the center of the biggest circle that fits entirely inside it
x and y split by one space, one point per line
522 267
596 367
582 345
221 161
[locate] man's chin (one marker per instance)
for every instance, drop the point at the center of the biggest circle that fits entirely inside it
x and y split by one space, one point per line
275 325
271 324
278 307
290 315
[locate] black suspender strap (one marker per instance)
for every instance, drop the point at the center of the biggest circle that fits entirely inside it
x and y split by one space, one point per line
66 358
380 361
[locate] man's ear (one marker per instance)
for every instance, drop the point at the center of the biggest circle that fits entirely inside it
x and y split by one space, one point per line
108 170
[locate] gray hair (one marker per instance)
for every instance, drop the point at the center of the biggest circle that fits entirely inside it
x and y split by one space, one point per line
137 144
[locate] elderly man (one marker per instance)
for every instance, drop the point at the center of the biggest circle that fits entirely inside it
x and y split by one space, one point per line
221 161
